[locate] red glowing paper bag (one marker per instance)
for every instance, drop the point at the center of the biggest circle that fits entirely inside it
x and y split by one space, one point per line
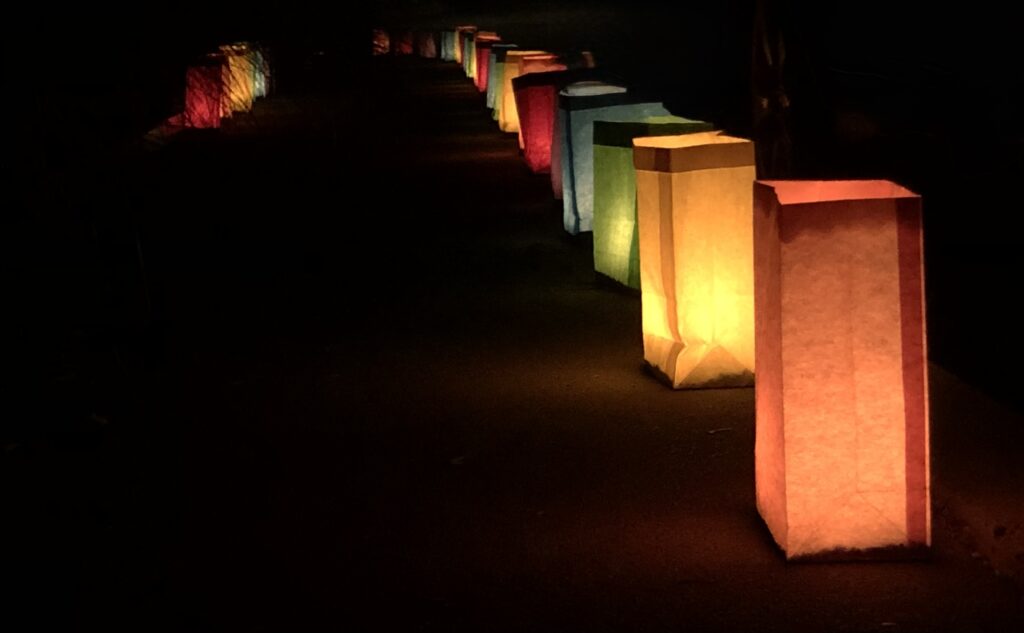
203 87
532 64
508 118
538 94
483 59
472 57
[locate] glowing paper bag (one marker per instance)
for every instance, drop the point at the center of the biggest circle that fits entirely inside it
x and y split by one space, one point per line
261 74
381 42
402 43
468 53
508 121
616 242
203 85
841 456
470 58
460 33
538 93
559 143
483 66
426 46
695 221
531 64
238 78
496 75
579 106
448 46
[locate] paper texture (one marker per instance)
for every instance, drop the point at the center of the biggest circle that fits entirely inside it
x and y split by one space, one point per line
508 120
203 95
460 34
381 42
696 262
448 46
426 46
483 57
616 242
537 102
841 440
579 107
528 65
238 79
496 74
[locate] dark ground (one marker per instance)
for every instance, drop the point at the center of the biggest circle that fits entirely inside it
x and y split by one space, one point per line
391 395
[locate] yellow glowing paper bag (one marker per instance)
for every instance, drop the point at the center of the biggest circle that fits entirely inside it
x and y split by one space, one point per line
238 78
460 33
694 215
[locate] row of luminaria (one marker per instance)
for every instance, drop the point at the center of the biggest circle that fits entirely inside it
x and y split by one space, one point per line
810 290
224 83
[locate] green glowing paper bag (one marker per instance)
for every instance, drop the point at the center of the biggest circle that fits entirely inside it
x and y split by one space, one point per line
616 243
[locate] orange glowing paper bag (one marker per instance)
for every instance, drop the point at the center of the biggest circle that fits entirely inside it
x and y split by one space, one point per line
238 79
841 456
695 224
